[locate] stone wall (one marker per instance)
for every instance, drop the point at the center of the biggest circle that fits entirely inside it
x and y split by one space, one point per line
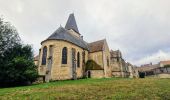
36 62
116 74
163 75
106 60
97 73
61 71
97 57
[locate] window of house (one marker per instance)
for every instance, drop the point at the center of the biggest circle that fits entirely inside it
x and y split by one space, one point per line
44 56
64 55
78 59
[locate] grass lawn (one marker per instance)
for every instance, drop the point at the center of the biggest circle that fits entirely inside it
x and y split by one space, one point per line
95 89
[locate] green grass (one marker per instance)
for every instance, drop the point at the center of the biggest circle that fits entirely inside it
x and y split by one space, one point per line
95 89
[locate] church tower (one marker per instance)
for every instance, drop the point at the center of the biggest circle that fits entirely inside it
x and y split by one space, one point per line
71 26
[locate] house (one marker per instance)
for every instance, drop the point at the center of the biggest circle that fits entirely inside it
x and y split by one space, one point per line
160 70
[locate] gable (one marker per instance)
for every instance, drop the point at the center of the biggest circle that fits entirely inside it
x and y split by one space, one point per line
96 46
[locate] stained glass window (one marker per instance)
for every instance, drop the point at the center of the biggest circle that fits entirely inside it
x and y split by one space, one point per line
64 55
44 56
78 59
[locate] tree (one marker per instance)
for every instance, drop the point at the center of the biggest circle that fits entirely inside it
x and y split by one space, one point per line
8 36
166 66
19 68
16 59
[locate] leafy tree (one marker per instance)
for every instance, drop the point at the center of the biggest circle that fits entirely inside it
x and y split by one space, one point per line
8 36
16 60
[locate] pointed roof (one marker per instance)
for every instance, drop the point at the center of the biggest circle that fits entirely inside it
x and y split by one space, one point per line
71 23
62 34
96 46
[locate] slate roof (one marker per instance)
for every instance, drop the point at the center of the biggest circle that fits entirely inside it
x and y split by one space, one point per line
63 34
96 46
71 23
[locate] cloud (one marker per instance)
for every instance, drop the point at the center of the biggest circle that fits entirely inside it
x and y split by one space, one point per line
154 58
138 28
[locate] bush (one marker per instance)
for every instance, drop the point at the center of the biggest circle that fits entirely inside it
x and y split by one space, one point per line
92 65
18 68
167 66
141 75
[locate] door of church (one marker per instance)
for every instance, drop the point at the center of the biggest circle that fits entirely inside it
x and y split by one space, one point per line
74 74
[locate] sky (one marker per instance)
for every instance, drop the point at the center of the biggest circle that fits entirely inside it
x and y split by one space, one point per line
138 28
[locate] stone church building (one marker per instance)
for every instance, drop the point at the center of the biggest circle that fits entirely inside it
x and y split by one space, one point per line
64 53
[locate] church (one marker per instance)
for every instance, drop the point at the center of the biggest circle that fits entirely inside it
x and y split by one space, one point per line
63 55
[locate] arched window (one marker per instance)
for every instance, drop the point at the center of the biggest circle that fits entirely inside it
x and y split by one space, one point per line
44 56
108 61
83 57
64 55
78 59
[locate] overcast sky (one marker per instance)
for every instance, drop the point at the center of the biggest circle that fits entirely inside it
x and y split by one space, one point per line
139 28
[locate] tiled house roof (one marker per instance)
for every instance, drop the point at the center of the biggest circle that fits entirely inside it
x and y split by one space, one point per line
148 68
96 46
165 62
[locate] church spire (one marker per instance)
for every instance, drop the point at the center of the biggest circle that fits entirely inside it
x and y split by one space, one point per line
71 23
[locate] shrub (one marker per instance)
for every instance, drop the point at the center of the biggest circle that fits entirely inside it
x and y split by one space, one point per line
141 74
167 66
19 68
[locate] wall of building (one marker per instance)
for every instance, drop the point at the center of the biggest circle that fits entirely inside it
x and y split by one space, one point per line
61 71
116 64
97 73
36 62
97 57
74 33
163 75
130 71
116 74
106 60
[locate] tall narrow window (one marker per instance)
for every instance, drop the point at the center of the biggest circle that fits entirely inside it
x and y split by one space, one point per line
78 59
44 56
83 57
64 55
108 61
